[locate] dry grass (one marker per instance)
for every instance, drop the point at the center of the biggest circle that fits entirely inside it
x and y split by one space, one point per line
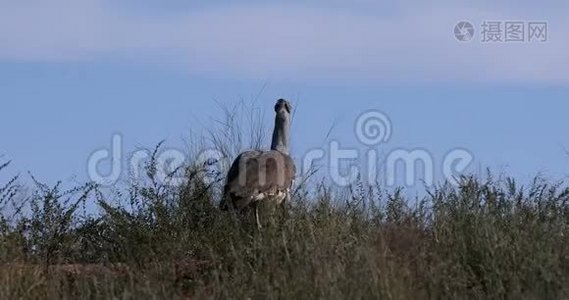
483 239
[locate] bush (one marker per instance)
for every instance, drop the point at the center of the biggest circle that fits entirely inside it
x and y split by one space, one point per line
480 239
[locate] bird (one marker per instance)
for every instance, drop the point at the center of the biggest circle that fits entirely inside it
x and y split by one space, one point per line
263 175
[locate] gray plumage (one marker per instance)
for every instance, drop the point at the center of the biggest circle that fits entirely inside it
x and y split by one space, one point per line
263 175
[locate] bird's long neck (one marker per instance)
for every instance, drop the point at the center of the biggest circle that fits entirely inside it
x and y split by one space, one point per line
281 134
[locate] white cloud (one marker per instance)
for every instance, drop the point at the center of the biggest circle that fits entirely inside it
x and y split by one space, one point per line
289 42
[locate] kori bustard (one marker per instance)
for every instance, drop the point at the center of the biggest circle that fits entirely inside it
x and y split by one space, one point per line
258 175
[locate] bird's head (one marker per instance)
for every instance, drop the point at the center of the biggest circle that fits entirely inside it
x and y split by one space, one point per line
283 106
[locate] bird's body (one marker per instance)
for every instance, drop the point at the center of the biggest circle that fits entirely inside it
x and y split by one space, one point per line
259 175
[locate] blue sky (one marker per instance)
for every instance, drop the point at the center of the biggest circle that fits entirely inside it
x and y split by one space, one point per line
72 73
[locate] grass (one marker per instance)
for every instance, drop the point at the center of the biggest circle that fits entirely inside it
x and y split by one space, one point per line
482 239
486 238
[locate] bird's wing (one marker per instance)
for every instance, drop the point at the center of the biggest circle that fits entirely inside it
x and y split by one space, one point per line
235 191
